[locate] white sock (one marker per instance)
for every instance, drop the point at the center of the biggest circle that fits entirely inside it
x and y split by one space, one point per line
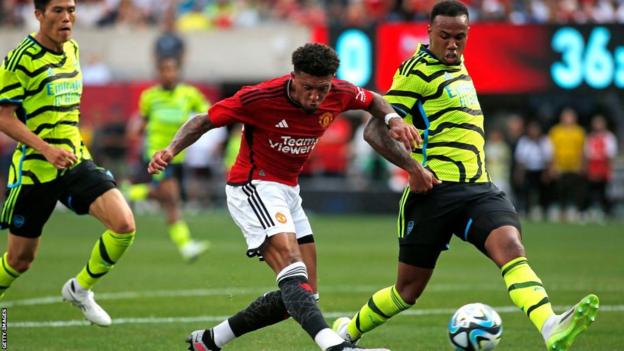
327 338
548 326
223 334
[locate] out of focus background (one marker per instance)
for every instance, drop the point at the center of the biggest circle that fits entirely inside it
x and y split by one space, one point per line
550 78
544 70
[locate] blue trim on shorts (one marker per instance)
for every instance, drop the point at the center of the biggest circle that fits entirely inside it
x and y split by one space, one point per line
467 229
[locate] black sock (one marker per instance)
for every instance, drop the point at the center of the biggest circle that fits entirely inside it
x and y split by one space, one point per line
266 310
299 301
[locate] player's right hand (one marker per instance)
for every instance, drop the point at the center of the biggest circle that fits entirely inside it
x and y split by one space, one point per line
159 161
422 180
59 157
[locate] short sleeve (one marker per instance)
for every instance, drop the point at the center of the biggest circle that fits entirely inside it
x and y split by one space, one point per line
229 111
404 93
144 108
355 98
11 87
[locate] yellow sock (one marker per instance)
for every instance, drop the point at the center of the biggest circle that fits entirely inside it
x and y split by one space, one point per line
180 233
526 291
106 252
7 275
381 306
138 192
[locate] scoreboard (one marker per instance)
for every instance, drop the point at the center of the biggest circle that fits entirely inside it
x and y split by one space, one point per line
501 58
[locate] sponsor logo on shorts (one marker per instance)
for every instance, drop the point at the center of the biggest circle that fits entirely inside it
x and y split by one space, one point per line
18 221
281 217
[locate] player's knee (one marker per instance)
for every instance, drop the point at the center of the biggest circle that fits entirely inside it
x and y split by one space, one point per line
124 225
505 249
21 262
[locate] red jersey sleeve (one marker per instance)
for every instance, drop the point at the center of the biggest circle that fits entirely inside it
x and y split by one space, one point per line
229 111
355 98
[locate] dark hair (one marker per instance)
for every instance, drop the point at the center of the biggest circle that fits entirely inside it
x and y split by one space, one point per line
163 59
41 4
451 8
315 59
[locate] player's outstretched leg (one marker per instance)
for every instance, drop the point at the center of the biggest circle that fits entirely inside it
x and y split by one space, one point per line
561 330
105 253
380 307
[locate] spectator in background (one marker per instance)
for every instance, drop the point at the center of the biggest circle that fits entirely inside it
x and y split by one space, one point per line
498 159
514 129
600 151
221 13
567 139
534 157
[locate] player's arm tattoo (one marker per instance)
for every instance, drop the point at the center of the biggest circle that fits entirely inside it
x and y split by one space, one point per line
379 107
192 130
376 134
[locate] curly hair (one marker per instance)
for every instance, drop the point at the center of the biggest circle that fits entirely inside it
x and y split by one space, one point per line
451 8
315 59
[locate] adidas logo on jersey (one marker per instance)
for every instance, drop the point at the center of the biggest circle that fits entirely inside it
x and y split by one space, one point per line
282 124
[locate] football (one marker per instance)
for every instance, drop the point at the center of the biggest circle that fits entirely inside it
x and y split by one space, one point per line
475 327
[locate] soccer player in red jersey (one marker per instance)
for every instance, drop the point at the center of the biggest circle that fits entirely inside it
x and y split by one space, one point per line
283 119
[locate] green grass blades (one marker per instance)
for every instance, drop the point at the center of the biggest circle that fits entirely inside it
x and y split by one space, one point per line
156 299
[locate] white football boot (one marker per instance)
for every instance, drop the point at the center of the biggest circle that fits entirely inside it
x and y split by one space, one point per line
83 299
340 327
191 250
560 332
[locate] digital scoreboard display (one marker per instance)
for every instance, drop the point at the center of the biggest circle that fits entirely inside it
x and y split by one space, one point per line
501 58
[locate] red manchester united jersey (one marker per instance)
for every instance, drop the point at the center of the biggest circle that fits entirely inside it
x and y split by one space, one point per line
278 135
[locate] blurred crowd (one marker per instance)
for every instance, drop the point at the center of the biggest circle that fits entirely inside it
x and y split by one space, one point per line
561 173
193 15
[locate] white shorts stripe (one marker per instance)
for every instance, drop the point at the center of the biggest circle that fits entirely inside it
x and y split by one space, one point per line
263 208
256 196
256 207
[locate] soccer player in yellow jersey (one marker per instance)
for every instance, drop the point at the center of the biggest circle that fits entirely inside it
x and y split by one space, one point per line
449 190
40 90
164 108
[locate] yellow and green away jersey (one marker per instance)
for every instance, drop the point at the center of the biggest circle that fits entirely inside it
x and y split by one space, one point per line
46 86
165 111
441 101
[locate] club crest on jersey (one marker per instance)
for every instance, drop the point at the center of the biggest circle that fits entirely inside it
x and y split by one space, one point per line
325 119
280 217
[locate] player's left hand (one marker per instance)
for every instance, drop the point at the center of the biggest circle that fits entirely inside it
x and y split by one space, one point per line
405 133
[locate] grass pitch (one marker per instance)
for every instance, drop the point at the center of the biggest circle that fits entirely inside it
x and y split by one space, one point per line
155 299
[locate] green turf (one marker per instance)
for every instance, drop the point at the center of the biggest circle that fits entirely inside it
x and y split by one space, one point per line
357 256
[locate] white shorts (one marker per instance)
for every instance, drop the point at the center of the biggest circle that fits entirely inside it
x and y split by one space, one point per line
262 209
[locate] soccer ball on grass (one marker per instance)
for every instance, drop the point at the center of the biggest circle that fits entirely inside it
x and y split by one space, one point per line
475 327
